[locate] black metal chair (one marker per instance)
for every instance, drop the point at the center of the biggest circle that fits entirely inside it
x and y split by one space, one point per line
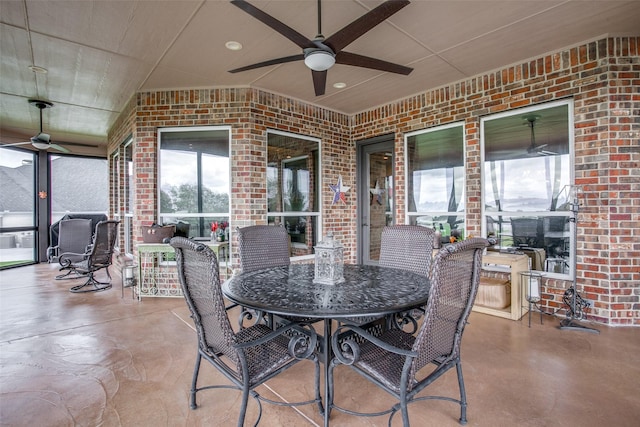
407 247
264 246
249 357
74 235
98 256
394 360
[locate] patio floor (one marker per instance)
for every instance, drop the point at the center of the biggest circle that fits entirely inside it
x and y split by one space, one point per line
99 359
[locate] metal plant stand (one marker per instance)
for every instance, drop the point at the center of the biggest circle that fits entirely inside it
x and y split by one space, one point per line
575 303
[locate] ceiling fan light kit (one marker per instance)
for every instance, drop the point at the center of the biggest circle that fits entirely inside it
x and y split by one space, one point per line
319 60
41 141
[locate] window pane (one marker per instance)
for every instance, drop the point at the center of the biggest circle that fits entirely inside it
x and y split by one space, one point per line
527 162
71 173
292 188
436 180
17 197
194 177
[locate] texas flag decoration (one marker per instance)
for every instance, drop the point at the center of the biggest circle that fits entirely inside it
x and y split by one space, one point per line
376 193
339 191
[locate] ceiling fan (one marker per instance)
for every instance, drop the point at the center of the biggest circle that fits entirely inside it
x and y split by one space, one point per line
320 54
534 149
42 141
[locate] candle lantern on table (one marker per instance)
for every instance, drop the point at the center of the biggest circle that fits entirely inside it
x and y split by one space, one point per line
329 261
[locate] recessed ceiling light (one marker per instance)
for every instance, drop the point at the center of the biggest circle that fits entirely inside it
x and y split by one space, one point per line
37 69
231 45
340 85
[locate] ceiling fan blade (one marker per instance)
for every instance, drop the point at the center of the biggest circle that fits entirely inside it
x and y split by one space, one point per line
272 22
319 81
284 60
78 144
59 148
356 60
16 143
366 22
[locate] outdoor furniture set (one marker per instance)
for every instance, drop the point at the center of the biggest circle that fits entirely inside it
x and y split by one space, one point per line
387 322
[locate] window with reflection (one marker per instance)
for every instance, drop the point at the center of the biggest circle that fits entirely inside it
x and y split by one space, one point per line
436 180
194 178
526 170
293 177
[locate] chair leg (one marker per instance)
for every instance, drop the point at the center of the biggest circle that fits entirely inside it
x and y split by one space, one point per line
404 409
194 381
243 406
463 394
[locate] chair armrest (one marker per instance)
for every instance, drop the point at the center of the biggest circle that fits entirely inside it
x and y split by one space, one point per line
52 252
347 351
64 260
302 338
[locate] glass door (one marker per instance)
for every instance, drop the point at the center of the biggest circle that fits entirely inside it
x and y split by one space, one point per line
375 195
18 229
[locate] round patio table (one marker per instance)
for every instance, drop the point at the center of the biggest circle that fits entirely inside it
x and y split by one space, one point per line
366 291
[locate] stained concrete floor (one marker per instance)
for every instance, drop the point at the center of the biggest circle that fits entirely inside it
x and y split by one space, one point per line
102 360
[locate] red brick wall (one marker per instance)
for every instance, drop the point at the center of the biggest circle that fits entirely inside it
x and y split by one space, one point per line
602 77
249 113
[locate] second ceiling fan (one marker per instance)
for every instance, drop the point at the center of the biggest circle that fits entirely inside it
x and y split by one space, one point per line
320 54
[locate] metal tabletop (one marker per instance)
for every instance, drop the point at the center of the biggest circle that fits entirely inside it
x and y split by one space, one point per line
367 290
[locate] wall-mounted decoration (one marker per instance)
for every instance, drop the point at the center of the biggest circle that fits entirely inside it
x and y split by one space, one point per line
376 193
339 191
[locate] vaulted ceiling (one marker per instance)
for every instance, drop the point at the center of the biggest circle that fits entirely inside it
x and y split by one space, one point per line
99 53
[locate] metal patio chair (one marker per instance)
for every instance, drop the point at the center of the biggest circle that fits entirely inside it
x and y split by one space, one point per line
98 256
249 357
407 247
394 360
264 246
74 235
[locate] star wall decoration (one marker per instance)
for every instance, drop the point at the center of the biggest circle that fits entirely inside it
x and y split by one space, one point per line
338 191
376 193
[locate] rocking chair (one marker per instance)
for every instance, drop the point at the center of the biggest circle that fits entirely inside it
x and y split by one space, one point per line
97 257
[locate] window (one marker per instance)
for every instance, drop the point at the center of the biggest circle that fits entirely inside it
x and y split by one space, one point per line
293 182
527 173
436 180
194 176
124 192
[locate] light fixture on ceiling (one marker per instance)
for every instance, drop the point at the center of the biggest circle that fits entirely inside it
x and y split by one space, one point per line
232 45
40 144
38 70
319 60
339 85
